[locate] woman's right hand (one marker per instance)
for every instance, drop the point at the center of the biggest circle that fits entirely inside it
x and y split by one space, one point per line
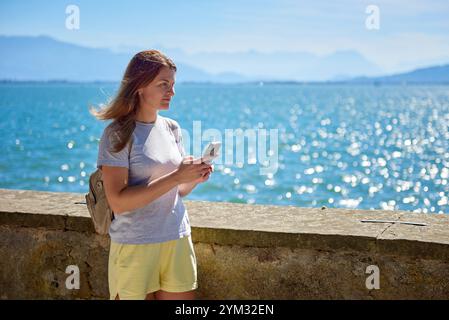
190 170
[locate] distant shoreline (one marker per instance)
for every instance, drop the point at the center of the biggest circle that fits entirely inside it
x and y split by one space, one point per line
259 83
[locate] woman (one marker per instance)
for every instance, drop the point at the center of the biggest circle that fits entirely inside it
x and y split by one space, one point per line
145 174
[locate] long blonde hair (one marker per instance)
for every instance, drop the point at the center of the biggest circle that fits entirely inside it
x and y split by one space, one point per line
141 70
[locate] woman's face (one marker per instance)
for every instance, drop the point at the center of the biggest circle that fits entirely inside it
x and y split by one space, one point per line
158 93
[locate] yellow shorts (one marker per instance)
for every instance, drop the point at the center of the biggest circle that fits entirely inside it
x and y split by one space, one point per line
138 269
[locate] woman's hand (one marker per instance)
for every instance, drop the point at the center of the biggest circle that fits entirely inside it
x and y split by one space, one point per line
192 171
206 176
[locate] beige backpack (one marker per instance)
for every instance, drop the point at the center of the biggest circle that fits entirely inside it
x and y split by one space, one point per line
97 203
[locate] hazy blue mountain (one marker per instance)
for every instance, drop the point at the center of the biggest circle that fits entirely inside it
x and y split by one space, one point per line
434 74
280 65
43 58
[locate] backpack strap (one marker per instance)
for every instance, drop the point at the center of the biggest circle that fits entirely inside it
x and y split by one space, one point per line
129 150
173 128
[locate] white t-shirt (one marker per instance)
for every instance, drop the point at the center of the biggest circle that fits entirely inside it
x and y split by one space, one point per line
156 150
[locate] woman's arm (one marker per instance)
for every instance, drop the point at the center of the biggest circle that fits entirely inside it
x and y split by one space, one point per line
122 198
185 188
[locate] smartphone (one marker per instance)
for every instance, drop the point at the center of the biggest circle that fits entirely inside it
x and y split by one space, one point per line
211 152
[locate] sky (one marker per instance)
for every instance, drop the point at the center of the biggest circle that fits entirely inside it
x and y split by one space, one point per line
411 32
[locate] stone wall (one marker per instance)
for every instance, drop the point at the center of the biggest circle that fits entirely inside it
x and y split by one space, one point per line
243 251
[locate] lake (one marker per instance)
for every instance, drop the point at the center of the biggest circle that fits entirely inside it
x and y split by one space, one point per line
345 146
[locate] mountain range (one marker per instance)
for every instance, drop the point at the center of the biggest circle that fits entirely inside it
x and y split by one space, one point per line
42 58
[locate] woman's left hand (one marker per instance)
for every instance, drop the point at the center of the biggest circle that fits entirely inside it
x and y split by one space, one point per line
206 176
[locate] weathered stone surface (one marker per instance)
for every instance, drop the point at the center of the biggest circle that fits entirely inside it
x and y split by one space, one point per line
33 262
243 251
235 272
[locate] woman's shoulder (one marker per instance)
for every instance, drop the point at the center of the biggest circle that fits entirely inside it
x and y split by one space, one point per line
110 129
111 132
171 122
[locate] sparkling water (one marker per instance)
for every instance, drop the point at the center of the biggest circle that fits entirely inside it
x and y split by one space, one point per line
346 146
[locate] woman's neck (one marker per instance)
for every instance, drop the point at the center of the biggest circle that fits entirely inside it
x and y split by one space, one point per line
148 117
